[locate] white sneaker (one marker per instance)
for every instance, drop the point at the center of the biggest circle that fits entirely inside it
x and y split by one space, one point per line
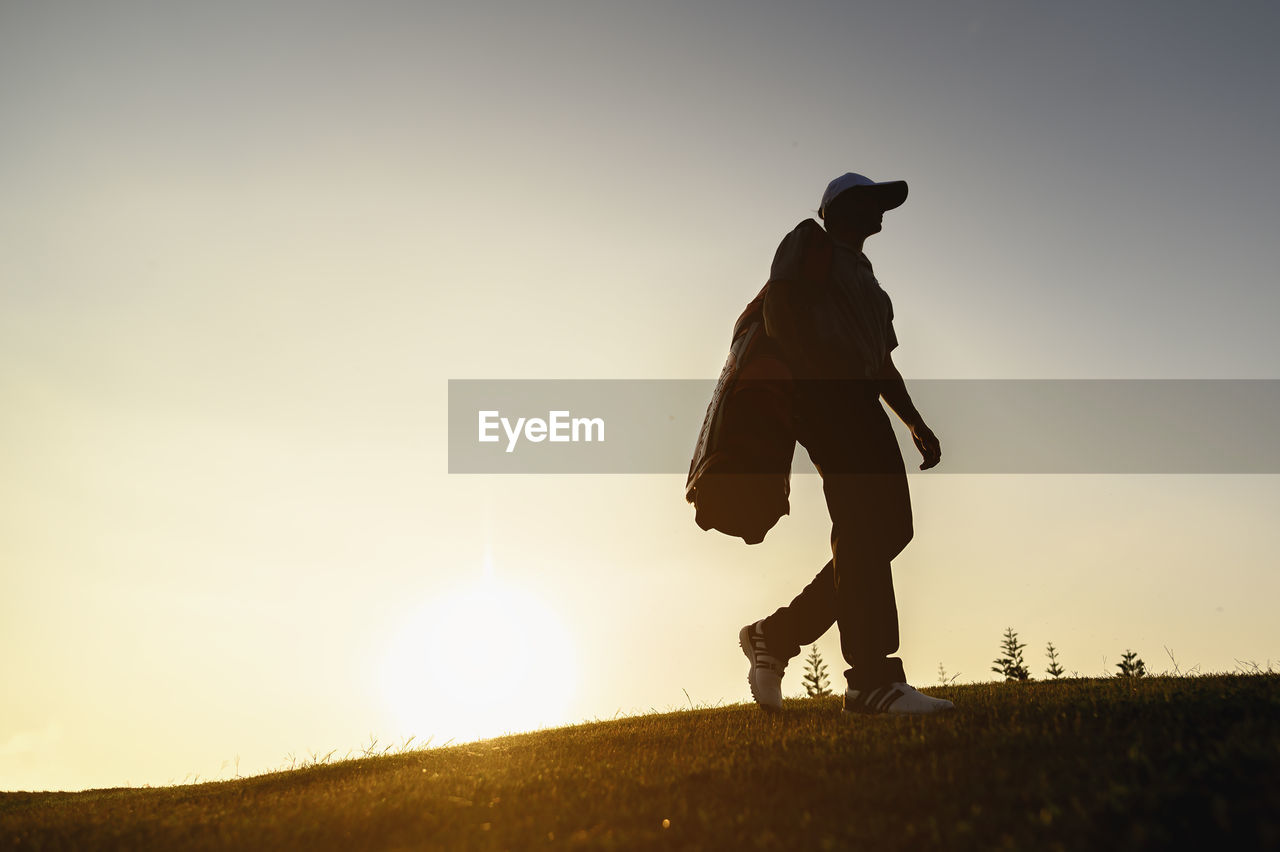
765 674
894 699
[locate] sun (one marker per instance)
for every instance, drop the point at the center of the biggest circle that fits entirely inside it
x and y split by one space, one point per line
481 660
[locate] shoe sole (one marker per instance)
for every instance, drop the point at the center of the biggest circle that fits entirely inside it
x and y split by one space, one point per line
744 642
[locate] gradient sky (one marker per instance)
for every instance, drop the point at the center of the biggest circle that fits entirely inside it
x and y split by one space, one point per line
244 246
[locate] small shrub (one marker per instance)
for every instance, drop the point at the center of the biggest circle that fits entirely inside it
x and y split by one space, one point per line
815 675
1131 665
1054 670
1011 665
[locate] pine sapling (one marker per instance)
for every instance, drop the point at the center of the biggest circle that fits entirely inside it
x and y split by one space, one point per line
1131 665
1011 665
815 675
1054 671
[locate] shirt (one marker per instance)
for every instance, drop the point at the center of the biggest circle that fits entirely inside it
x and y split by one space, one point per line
861 312
826 309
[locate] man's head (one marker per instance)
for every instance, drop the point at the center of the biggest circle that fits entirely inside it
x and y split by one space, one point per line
853 205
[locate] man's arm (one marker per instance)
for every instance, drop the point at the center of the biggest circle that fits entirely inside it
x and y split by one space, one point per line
894 391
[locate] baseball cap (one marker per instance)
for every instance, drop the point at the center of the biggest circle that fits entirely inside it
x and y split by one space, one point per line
888 194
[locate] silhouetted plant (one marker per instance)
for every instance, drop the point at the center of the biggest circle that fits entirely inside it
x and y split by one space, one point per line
1054 671
1131 665
815 675
1011 665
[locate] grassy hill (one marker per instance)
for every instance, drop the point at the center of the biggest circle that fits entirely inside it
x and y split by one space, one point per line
1075 764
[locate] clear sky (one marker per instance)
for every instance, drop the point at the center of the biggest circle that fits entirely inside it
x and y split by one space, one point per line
244 246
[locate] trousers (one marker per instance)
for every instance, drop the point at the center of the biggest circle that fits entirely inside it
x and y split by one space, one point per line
845 430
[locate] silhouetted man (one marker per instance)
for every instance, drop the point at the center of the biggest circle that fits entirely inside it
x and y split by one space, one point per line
834 326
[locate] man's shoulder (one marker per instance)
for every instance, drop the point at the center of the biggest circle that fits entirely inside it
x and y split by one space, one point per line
804 253
809 233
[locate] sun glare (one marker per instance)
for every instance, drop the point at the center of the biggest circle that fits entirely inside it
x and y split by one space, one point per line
482 660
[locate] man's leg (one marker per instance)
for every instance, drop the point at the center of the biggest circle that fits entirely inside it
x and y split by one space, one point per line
854 588
864 480
771 642
801 622
865 606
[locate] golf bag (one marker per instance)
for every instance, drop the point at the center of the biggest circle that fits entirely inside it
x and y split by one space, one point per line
740 476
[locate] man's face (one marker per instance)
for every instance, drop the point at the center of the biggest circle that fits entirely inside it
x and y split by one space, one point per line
856 213
870 220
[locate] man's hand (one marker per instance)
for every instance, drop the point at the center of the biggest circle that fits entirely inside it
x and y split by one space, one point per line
894 391
928 445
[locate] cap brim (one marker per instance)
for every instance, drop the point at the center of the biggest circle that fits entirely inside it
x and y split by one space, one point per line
886 196
889 194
